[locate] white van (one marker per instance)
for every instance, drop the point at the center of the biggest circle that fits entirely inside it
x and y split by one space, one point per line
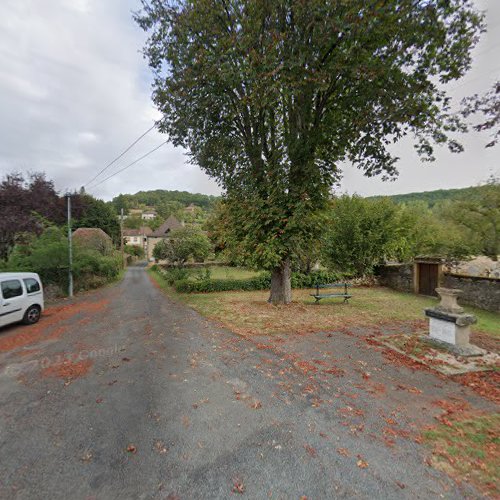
21 298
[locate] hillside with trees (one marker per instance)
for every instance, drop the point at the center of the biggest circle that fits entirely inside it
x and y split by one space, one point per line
161 197
431 198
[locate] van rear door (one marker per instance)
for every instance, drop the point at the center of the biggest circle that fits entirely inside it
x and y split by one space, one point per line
12 301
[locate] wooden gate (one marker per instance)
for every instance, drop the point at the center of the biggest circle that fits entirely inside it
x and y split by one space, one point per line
428 279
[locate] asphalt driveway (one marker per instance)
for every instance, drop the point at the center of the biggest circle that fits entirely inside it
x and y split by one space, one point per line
124 393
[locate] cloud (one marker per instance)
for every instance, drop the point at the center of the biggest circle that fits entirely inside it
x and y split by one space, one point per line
75 92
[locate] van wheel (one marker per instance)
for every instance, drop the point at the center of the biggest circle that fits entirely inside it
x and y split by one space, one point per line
32 315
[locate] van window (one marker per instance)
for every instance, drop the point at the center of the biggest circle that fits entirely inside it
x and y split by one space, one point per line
32 285
11 288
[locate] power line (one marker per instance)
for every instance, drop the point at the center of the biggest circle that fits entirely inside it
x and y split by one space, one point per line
130 164
120 155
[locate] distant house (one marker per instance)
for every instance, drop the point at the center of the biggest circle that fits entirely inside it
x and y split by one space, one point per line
162 233
93 238
191 208
135 212
148 215
137 237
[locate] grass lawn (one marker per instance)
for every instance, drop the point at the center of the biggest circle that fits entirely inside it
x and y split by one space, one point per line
224 272
249 313
468 449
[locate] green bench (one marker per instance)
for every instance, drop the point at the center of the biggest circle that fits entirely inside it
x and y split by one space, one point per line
318 296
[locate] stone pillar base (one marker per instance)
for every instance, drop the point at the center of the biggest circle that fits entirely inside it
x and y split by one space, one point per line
449 332
452 330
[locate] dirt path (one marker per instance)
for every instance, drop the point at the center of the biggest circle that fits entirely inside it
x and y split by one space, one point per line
157 402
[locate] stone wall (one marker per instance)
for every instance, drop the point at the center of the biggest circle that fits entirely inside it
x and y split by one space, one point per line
396 276
476 291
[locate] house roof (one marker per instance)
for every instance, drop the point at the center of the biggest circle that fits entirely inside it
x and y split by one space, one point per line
86 233
142 231
171 223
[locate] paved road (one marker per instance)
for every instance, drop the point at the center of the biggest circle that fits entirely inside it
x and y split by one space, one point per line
205 413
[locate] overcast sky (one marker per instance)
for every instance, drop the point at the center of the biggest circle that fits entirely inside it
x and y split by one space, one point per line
75 92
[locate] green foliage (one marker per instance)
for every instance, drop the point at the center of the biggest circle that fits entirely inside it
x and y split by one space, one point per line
310 280
203 274
270 97
155 223
488 107
47 255
478 215
175 274
166 202
360 234
249 232
97 213
28 206
430 198
167 208
134 222
363 232
261 282
426 232
134 250
183 244
217 285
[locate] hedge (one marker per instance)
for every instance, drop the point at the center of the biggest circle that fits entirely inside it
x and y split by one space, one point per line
261 282
223 285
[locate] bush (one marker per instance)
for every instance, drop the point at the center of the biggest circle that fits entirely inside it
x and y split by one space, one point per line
300 280
134 250
92 270
48 256
261 282
175 274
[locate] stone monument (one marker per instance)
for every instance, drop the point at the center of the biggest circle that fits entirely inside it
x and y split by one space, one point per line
449 326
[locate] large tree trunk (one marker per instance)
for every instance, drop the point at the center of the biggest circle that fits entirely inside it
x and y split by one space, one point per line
281 286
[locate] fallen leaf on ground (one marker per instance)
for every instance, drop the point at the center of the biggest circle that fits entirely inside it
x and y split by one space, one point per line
343 451
131 448
310 451
361 463
256 405
238 486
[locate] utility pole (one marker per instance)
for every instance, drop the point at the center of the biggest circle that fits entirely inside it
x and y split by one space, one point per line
70 250
121 238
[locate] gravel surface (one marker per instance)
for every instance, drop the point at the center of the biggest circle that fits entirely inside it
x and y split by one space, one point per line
157 402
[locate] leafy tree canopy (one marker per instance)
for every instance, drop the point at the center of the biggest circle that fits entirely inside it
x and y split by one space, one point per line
269 98
183 244
27 206
97 213
171 200
478 214
487 107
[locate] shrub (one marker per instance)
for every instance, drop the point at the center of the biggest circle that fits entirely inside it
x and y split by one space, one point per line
175 274
310 280
48 256
134 250
261 282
